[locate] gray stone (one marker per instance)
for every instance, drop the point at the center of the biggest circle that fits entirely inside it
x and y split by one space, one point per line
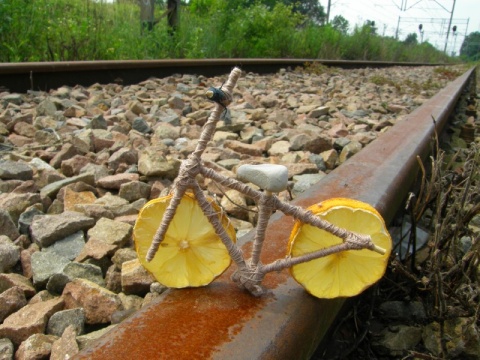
98 171
68 247
123 255
406 312
297 142
229 164
318 161
56 283
98 122
182 88
304 182
134 190
111 232
47 108
397 340
52 189
26 219
349 150
9 254
86 340
15 170
319 111
119 316
122 156
59 321
158 288
16 203
47 229
131 302
141 125
7 350
340 143
151 163
113 279
90 272
45 264
16 99
172 119
166 131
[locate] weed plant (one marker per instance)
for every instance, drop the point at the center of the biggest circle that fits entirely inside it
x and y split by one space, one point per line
61 30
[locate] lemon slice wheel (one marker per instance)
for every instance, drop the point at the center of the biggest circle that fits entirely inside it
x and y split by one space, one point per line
347 273
191 253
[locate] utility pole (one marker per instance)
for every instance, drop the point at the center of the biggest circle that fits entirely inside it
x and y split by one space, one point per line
146 14
328 11
449 26
398 26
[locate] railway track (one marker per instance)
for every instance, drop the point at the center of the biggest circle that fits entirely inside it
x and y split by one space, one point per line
289 324
44 76
219 321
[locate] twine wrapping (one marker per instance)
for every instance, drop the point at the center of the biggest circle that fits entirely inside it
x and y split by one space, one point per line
249 274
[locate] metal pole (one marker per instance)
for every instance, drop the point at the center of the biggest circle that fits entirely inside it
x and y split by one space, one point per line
398 26
449 26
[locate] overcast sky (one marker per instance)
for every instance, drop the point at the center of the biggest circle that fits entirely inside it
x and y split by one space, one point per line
433 14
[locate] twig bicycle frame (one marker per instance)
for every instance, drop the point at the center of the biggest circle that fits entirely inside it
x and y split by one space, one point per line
250 272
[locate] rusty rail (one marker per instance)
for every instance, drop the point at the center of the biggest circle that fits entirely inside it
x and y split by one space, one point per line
223 322
20 77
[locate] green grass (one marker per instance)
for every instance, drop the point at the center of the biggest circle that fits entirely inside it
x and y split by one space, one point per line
61 30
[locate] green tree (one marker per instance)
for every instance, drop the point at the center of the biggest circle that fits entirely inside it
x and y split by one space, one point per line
411 39
340 24
309 8
471 46
370 24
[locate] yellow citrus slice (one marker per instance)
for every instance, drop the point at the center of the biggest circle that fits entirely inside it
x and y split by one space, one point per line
191 253
346 273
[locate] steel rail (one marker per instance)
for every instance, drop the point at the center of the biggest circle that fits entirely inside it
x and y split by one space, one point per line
20 77
222 322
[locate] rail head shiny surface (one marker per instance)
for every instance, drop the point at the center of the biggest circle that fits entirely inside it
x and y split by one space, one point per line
222 322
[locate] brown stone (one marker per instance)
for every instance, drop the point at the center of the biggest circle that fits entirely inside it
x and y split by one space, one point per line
115 181
11 300
99 303
11 280
66 347
72 198
31 319
36 347
72 167
242 148
135 279
96 249
68 151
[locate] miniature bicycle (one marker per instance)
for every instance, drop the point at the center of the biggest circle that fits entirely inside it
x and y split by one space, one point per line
160 232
